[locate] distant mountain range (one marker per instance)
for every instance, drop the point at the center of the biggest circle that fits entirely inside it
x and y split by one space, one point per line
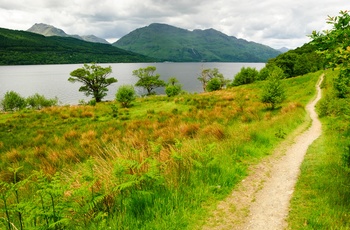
48 30
27 48
46 44
170 43
283 49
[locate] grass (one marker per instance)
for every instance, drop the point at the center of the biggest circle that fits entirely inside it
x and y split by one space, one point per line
163 163
322 196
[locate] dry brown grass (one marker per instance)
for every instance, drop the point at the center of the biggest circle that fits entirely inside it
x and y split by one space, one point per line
189 129
215 130
13 156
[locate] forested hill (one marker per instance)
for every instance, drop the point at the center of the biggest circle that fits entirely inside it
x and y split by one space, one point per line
170 43
25 48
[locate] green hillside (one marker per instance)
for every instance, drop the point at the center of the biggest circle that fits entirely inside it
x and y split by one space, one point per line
162 163
25 48
174 44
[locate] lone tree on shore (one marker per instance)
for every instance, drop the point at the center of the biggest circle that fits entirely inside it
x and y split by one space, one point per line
94 78
147 79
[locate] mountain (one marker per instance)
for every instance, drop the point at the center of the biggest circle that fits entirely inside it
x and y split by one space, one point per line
283 49
170 43
26 48
48 30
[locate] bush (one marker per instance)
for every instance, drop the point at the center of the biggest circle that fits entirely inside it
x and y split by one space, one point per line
39 101
213 85
173 90
13 101
125 95
245 76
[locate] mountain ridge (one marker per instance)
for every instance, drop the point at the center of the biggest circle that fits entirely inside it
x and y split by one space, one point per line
19 47
171 43
49 30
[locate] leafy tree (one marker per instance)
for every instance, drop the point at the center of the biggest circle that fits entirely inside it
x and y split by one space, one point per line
125 95
273 91
13 101
247 75
334 44
173 88
208 74
94 78
147 79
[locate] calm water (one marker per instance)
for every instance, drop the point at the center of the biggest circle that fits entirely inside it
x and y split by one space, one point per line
52 80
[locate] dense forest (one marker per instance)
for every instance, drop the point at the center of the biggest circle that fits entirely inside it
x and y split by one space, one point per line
25 48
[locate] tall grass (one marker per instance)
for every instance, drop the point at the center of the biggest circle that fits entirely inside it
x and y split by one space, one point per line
160 164
322 196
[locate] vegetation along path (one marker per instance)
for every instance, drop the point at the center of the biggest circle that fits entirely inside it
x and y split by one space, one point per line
261 201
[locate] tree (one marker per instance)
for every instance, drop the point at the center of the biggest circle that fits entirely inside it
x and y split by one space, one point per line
125 95
13 101
94 78
334 44
147 79
245 76
273 91
173 88
209 74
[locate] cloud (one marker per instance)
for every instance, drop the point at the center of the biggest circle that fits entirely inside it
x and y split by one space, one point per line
272 22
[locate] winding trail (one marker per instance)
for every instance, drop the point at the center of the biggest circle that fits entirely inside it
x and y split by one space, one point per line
261 201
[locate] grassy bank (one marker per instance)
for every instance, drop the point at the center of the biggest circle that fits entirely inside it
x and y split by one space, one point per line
161 164
322 196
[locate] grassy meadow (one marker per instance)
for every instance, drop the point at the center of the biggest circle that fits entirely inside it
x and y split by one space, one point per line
163 163
322 196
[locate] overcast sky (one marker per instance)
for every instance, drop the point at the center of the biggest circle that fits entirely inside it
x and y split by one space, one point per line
276 23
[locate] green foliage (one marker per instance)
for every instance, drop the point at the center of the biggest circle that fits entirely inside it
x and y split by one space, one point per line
25 48
173 88
125 95
13 101
335 46
246 75
94 79
208 75
300 61
273 91
38 101
213 85
148 80
169 43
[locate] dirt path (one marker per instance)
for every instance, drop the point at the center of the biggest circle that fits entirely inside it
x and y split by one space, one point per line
261 201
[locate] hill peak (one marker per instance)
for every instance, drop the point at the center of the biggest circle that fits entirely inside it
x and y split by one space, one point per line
49 30
171 43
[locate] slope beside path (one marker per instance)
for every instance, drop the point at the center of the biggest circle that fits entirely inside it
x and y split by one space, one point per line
261 201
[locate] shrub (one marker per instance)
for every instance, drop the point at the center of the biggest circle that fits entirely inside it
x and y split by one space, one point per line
13 101
213 85
39 101
245 76
125 95
173 89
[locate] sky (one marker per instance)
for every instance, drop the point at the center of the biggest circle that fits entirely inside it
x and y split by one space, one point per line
276 23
